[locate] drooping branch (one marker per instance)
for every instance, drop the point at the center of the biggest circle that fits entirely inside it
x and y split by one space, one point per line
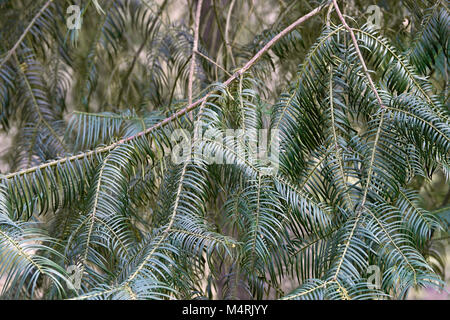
179 113
227 26
213 62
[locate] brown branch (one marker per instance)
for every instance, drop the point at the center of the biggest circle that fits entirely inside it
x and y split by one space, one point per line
179 113
361 59
213 62
227 26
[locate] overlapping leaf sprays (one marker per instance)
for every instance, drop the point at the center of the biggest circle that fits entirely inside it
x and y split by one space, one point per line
139 226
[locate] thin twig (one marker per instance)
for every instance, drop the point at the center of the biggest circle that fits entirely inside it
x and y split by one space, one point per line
227 26
213 62
194 52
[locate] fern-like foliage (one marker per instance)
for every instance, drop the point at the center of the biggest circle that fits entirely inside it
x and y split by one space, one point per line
99 113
